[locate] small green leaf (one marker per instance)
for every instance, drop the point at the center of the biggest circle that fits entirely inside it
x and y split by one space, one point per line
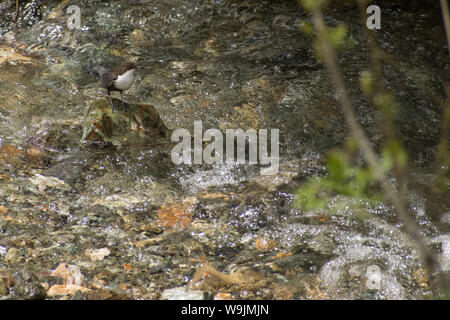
386 103
307 28
337 36
366 82
312 5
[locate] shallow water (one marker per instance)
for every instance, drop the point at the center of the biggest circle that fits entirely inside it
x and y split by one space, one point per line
231 64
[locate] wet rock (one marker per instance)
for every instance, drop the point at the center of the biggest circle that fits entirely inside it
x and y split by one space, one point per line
10 154
57 136
68 170
445 256
446 218
44 183
322 244
71 274
161 267
37 157
105 294
97 254
182 242
95 216
121 190
25 15
77 295
125 125
58 290
253 210
175 215
361 281
103 211
3 251
48 280
3 286
182 293
27 286
309 262
13 256
244 280
286 173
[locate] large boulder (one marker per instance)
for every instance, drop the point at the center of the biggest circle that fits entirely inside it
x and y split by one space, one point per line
125 125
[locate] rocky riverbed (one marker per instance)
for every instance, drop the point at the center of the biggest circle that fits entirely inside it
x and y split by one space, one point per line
115 218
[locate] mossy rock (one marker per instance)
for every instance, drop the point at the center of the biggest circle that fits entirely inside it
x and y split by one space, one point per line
127 124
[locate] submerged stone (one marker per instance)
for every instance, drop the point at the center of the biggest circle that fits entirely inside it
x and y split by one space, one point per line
27 286
128 124
3 286
181 293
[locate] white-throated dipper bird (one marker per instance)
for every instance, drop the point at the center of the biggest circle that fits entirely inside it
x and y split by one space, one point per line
119 78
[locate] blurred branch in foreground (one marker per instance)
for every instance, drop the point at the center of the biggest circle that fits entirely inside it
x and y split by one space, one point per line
325 45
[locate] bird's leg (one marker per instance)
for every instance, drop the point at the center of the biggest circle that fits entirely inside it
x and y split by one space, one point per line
121 96
110 102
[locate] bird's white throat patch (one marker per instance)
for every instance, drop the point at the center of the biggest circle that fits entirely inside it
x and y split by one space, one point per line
125 81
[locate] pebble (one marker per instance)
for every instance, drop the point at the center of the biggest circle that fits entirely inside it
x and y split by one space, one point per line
13 256
182 293
27 286
97 254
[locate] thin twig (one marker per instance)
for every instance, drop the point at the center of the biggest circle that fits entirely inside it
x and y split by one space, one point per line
17 11
445 16
412 229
